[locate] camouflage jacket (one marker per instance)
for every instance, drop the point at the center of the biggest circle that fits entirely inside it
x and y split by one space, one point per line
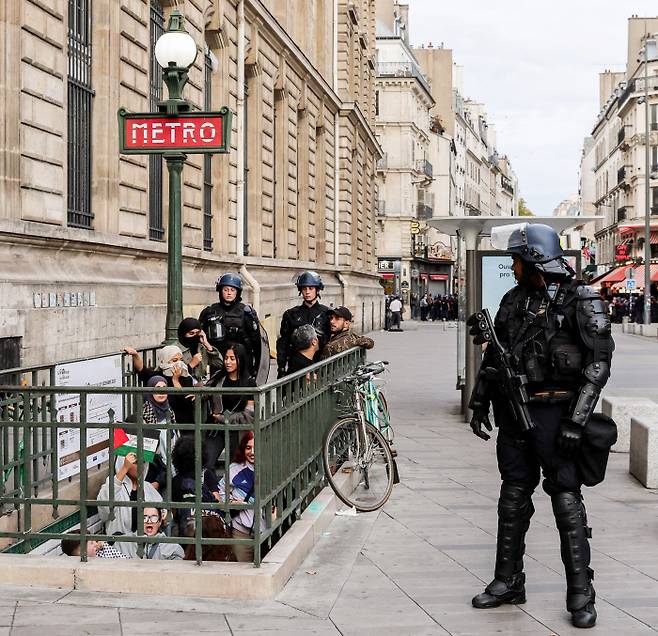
343 341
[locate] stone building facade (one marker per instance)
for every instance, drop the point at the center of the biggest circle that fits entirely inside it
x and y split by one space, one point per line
613 174
440 159
83 230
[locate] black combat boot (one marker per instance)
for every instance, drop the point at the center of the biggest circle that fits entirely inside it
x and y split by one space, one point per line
571 522
514 511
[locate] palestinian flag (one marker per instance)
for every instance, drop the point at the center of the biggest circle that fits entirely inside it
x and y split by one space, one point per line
125 441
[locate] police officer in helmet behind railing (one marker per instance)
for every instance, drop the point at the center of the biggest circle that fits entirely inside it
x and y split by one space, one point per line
558 334
232 321
310 312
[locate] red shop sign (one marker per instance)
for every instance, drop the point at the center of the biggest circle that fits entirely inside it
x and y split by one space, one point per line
622 251
198 132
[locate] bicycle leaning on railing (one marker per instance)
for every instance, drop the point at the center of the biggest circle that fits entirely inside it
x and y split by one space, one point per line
358 460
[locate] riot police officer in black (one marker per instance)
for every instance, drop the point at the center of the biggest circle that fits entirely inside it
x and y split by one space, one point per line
559 335
310 312
232 321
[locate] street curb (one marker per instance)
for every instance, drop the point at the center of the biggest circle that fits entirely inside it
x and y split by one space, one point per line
180 578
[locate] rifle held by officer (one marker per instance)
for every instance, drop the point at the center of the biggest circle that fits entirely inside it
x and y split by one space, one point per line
514 384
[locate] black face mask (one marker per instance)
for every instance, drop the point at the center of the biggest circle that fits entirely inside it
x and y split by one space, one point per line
191 343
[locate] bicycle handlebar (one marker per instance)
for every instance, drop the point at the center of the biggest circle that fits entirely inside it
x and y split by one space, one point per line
365 371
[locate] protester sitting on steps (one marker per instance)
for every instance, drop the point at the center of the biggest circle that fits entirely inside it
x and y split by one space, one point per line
126 486
241 490
153 521
176 373
198 353
156 412
231 409
183 485
213 527
100 549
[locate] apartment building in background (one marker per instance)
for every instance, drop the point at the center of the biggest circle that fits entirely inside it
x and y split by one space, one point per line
613 173
440 159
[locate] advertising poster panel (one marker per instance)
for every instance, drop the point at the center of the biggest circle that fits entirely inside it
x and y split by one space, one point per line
102 372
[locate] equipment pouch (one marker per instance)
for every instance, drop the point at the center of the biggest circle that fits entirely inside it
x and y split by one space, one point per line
534 362
599 436
567 361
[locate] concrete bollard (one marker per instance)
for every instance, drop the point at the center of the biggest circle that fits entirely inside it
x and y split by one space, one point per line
621 410
643 457
649 330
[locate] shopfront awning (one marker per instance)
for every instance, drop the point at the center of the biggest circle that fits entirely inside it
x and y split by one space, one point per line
638 276
616 275
438 276
387 276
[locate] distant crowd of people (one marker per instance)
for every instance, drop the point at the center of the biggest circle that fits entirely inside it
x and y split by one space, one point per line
632 307
438 307
225 347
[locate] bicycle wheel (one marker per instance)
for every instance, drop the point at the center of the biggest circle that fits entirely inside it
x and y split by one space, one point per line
360 474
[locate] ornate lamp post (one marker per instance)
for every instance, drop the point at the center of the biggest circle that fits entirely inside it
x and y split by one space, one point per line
175 52
175 131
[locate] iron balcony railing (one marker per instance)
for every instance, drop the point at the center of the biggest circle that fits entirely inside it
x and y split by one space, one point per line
424 211
402 69
425 167
291 416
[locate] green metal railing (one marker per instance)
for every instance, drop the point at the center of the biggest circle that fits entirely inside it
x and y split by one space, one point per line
291 416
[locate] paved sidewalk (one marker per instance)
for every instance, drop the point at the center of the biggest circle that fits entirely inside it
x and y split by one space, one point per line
412 568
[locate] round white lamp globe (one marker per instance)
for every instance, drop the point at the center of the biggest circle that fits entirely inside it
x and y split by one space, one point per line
177 47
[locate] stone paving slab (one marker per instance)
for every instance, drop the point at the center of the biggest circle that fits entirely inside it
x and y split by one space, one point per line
413 567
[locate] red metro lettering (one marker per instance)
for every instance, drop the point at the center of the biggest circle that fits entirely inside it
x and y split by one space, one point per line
173 133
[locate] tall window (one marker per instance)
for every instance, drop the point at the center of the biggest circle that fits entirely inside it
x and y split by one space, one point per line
156 227
654 159
654 200
207 159
80 96
653 116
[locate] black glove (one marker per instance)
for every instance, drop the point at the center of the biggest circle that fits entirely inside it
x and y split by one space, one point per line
481 419
280 372
568 440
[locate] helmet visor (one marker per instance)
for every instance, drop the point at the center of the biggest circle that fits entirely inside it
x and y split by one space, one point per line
508 237
556 266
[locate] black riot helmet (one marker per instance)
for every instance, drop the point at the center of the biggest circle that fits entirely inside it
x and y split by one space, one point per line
309 279
535 243
230 279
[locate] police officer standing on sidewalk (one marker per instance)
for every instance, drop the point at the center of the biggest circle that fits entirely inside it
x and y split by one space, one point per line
558 334
310 312
232 321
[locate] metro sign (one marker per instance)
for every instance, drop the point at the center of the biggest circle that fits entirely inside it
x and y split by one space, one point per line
190 133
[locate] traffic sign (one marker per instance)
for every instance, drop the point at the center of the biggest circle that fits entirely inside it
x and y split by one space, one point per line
190 133
630 283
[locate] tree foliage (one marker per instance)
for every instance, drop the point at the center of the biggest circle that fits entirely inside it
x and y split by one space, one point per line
523 208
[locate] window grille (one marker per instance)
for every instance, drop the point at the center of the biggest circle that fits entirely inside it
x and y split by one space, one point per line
80 94
207 159
156 226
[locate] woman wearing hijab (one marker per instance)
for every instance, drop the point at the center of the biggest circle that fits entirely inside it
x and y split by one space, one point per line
156 412
233 408
198 353
175 372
